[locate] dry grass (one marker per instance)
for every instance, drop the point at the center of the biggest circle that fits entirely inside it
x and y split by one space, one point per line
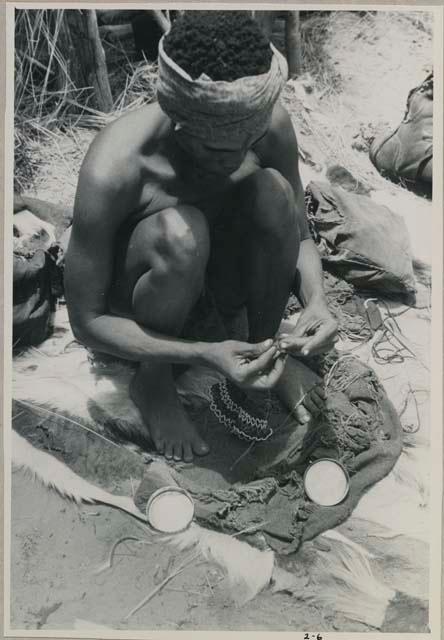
315 33
48 107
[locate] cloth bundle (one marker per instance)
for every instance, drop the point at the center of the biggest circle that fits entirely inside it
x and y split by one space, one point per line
363 242
219 110
405 155
37 277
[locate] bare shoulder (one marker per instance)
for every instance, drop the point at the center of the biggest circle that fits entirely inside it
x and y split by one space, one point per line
281 128
280 141
114 157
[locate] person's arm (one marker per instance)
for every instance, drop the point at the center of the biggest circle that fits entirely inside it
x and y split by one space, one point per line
101 206
316 329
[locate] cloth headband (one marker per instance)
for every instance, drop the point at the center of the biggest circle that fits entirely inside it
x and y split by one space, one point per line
218 109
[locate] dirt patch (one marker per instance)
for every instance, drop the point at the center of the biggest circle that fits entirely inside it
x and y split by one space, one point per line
70 542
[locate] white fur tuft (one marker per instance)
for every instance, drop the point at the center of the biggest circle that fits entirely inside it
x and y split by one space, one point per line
56 475
247 570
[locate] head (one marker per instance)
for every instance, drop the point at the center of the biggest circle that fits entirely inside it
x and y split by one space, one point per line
223 45
219 79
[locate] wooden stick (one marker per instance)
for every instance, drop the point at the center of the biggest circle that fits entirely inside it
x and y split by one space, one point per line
85 47
114 16
119 31
160 586
161 19
101 80
293 44
37 408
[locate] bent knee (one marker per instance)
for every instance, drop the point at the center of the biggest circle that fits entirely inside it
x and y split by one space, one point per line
272 206
181 239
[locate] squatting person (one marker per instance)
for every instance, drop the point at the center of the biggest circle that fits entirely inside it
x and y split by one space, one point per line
201 188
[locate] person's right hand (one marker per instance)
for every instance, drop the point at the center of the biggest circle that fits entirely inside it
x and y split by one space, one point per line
251 366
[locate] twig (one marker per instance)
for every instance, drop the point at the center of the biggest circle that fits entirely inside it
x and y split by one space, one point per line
298 404
404 405
243 454
196 593
109 562
160 586
61 417
209 583
250 529
416 409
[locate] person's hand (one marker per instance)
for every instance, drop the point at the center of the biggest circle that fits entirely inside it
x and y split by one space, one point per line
250 366
315 332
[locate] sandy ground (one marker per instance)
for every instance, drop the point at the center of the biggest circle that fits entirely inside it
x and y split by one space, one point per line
56 546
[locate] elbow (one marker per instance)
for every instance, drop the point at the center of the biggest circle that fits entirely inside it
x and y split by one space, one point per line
81 333
80 322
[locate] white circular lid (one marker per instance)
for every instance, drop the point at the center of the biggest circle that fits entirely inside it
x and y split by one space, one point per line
326 482
170 510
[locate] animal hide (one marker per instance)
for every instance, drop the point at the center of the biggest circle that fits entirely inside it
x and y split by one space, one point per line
56 475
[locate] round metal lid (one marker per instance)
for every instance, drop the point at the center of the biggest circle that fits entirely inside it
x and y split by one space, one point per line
326 482
170 509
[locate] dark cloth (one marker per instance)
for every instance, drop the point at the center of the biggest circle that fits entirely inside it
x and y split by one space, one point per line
32 299
37 277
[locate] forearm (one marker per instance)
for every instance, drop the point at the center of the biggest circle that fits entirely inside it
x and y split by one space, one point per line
126 339
309 278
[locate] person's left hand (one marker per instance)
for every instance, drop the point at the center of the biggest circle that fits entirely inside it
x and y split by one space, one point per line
315 332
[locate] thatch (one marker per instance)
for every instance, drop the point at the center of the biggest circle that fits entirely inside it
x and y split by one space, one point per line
46 99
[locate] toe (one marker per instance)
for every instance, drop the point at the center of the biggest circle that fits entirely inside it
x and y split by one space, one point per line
177 451
318 400
302 414
187 452
311 406
159 444
320 391
168 450
200 447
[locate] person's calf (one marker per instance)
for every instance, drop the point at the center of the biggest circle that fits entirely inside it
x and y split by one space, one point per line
271 249
173 435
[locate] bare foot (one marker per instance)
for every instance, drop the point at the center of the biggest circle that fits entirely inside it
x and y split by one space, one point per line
153 391
297 382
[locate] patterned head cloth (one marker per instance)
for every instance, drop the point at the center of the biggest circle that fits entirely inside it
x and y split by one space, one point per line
219 110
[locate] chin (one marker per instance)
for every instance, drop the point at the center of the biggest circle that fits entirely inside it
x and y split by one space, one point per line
217 172
222 171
